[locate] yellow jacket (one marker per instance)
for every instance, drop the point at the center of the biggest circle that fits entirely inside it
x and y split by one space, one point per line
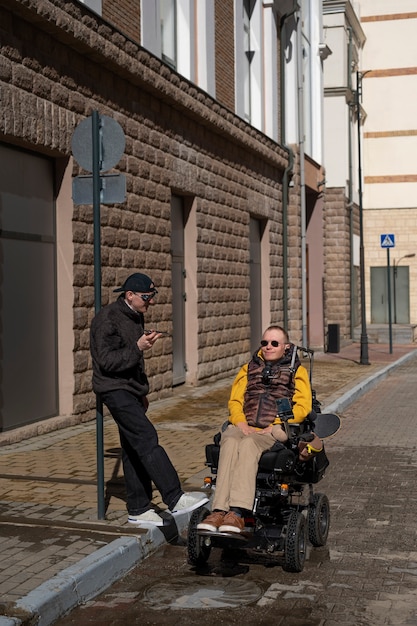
302 397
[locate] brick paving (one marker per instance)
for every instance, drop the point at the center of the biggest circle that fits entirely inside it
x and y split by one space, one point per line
364 576
48 494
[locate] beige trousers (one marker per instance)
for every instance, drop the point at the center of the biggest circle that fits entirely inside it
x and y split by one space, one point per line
238 466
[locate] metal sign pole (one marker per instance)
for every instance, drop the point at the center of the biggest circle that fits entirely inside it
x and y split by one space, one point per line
97 302
389 302
364 358
98 143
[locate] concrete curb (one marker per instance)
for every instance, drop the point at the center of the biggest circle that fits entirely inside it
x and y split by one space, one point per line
82 581
91 576
9 621
363 387
95 573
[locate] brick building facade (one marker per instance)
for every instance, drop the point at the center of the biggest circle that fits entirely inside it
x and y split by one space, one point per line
59 62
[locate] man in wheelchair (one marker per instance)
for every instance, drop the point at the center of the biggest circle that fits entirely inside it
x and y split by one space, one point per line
274 372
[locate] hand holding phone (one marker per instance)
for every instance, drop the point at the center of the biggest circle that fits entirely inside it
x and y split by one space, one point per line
155 330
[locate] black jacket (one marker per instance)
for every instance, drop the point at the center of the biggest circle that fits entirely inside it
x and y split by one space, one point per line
117 361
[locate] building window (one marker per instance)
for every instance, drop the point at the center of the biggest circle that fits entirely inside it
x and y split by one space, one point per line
94 5
307 70
249 62
249 53
168 12
181 34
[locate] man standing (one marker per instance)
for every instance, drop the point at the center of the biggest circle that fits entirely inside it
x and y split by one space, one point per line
117 343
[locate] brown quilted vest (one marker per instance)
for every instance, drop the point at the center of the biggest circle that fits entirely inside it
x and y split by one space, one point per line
266 383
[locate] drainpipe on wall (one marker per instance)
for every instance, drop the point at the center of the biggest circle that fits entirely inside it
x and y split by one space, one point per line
288 170
300 108
350 182
285 185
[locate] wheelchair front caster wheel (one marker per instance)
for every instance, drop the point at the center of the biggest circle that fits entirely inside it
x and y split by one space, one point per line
319 520
198 547
295 542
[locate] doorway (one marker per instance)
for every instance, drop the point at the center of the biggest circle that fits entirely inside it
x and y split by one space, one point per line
28 350
400 295
178 290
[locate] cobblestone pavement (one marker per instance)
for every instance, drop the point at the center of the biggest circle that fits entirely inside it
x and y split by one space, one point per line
48 493
366 574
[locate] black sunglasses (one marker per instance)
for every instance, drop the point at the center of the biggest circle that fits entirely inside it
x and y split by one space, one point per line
273 343
147 296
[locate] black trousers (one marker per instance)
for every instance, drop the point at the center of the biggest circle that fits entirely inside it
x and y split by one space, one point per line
144 460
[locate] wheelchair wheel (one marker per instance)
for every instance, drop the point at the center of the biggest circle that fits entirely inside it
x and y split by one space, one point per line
295 542
198 549
319 520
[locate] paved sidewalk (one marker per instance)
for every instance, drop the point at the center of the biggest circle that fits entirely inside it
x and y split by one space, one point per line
56 554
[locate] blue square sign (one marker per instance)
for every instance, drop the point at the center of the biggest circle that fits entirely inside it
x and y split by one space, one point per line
387 241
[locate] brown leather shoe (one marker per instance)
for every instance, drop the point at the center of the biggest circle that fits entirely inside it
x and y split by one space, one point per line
232 523
212 521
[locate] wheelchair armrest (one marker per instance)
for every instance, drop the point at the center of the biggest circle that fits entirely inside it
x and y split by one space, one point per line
212 456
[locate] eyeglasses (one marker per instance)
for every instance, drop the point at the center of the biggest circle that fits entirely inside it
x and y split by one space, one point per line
147 296
273 343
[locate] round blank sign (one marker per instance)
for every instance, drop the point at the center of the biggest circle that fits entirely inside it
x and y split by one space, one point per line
111 140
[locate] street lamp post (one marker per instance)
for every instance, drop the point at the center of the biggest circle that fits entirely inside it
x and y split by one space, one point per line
364 358
396 264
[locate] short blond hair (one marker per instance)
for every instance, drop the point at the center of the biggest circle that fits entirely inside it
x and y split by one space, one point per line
276 327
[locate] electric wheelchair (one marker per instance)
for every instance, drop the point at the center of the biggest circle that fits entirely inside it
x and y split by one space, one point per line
287 513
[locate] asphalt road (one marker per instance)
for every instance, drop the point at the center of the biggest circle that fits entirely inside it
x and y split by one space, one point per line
366 575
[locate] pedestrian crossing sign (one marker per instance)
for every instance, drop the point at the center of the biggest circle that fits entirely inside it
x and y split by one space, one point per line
387 241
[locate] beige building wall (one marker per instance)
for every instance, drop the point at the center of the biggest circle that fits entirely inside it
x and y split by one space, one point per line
344 37
390 136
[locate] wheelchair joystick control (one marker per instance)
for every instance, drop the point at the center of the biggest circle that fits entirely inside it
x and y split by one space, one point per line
284 412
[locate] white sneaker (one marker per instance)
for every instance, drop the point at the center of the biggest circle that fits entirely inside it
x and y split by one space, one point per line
150 517
188 502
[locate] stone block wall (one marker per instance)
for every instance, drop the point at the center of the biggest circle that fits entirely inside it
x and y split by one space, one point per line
126 14
337 290
225 54
58 63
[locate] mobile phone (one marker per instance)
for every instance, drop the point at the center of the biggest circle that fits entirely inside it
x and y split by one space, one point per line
155 330
284 409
